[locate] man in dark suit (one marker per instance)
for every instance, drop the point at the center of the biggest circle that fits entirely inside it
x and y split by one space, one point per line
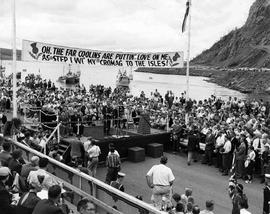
5 155
193 145
52 204
266 194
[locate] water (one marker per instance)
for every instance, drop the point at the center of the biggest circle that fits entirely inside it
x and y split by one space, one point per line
199 89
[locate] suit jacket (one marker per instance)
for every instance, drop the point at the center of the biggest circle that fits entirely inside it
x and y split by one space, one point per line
266 199
193 142
4 158
27 203
47 206
241 152
15 166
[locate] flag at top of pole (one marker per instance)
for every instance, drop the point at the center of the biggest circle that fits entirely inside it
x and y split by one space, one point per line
185 17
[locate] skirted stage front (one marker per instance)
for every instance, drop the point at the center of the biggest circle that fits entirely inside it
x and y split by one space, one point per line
122 144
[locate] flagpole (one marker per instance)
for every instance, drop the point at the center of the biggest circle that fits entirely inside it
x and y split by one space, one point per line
188 51
14 59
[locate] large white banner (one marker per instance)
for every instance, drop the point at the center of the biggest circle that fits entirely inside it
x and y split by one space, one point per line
42 52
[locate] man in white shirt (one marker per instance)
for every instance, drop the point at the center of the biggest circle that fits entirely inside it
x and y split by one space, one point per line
160 179
226 156
41 177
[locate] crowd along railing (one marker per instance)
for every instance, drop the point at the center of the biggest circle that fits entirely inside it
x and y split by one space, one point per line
103 195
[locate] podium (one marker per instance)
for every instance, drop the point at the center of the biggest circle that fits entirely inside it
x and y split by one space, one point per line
144 124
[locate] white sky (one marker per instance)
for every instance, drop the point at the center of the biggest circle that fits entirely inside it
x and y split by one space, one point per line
123 25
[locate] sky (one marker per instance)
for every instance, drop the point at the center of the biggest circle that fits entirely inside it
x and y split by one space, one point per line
121 25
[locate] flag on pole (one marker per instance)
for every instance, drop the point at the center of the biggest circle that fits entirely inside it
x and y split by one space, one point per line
186 15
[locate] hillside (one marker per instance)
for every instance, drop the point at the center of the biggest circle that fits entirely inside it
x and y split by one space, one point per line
248 46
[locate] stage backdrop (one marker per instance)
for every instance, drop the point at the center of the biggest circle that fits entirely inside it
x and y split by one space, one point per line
42 52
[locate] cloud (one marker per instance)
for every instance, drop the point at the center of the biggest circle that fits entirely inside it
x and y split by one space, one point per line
126 25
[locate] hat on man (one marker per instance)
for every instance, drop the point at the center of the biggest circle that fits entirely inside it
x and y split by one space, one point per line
267 176
4 171
121 174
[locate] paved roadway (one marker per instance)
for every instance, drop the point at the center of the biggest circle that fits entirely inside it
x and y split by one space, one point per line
206 182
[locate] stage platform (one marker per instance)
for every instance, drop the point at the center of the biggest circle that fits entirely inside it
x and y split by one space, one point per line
124 139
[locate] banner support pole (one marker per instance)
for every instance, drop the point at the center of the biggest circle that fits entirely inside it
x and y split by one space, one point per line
14 98
188 51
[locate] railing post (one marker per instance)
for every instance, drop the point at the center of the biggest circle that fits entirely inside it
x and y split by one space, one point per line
58 129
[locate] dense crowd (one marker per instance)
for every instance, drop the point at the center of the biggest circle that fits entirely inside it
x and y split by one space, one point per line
234 132
27 188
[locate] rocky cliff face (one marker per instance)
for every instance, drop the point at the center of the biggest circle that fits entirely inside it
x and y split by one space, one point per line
248 46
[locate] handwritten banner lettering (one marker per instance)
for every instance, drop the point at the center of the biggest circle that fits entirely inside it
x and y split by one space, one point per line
42 52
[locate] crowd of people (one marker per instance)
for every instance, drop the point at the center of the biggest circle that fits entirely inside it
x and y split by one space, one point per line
234 132
27 188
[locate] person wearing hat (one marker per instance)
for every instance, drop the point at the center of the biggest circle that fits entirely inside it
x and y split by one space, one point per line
160 179
118 183
266 194
265 161
4 176
237 195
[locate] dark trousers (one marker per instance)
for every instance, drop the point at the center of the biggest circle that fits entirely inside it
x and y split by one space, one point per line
219 161
111 174
226 162
250 170
239 168
208 157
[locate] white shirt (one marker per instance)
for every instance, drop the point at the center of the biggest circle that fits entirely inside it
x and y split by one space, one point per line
244 211
206 212
162 175
94 151
86 145
220 140
115 152
227 146
47 182
256 143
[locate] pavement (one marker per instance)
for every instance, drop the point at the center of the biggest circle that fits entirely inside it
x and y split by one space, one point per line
206 182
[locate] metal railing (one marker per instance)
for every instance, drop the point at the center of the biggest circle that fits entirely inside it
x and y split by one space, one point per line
83 185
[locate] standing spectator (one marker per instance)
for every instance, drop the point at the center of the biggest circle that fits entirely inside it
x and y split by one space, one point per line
193 145
266 194
5 155
118 183
86 207
77 149
226 156
113 164
209 147
240 156
250 164
93 154
160 179
237 195
209 207
265 161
